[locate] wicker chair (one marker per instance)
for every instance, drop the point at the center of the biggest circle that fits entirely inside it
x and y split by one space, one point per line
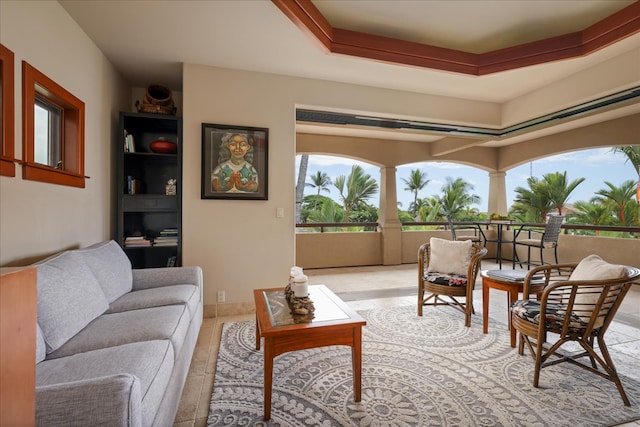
547 239
434 285
592 305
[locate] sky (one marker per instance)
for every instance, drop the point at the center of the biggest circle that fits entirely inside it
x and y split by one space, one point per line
596 165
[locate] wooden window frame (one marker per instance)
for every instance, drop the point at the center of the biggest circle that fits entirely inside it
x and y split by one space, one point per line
72 136
7 153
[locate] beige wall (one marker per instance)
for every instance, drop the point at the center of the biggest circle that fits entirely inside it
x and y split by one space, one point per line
37 219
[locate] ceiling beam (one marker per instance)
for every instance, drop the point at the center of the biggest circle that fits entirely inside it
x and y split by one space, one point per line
614 28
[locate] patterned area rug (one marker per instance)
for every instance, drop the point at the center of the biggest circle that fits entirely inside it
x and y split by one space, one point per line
416 371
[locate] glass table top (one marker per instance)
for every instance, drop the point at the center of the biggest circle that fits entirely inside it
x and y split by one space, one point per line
325 308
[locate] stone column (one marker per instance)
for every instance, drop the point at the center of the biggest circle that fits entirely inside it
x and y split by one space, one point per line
497 193
390 225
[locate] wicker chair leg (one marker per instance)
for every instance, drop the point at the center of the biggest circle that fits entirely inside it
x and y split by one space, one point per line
541 255
611 370
520 344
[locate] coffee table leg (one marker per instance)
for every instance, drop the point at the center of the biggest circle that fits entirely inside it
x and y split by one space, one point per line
268 377
356 363
513 296
257 333
485 307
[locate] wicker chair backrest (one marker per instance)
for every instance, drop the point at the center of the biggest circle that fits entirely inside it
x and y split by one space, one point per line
552 229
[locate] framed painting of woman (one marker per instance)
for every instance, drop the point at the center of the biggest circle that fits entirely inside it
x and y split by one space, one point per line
234 162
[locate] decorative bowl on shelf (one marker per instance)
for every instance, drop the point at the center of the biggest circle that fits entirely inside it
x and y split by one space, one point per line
162 146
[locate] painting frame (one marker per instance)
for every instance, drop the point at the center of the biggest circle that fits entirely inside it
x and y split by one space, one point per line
234 162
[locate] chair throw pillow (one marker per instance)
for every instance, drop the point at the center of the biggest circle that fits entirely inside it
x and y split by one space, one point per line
450 257
593 268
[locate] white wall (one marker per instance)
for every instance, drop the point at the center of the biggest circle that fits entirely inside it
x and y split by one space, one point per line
37 219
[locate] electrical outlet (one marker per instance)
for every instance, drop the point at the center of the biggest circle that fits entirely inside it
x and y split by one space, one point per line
220 296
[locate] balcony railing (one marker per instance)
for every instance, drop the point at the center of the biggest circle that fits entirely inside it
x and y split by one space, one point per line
634 232
324 245
339 226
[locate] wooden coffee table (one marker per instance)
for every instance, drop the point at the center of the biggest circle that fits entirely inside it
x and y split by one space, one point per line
513 287
334 323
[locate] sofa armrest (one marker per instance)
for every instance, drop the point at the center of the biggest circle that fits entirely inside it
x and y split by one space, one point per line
114 401
164 276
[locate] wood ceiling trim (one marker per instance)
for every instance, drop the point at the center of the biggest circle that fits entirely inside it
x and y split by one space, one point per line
614 28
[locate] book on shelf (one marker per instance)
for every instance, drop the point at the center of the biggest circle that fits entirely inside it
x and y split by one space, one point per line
129 144
137 241
133 185
513 275
171 261
157 242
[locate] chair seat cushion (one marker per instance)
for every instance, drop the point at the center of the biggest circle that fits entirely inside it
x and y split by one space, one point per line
536 243
555 314
446 279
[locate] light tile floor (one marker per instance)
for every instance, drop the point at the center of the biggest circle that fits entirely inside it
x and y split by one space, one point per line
366 288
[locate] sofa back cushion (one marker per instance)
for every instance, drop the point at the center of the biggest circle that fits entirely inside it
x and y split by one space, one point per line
41 348
69 297
111 267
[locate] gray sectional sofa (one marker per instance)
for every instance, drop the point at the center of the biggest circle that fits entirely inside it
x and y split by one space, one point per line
114 344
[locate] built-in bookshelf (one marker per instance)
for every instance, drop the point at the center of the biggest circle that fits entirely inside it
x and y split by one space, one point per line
149 193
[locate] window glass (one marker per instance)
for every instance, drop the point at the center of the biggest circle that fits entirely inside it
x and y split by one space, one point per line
47 134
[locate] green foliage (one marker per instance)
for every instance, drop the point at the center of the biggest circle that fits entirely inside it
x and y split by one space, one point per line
429 210
312 203
329 211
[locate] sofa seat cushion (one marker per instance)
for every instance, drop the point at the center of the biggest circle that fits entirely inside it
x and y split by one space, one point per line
149 361
69 297
170 322
111 267
158 297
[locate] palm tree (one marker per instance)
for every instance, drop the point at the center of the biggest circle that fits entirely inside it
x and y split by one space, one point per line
320 181
302 172
455 197
618 196
592 212
359 187
531 204
542 196
559 189
416 182
633 155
